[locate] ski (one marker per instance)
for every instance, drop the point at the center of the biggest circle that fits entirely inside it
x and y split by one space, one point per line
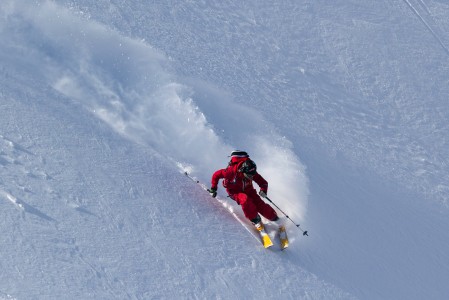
283 237
265 238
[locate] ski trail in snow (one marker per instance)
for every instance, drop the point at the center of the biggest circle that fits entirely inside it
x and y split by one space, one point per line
421 18
132 88
424 5
12 199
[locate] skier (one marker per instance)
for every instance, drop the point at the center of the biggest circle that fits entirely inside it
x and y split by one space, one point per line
237 179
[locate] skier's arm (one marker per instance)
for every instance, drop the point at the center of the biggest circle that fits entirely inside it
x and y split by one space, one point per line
261 182
216 177
214 182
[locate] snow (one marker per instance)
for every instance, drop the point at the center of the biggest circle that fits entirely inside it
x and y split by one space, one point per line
105 104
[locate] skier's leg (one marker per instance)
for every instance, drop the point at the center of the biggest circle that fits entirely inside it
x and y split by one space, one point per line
264 209
248 206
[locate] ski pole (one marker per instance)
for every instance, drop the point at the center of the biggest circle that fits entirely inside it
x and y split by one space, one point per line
196 181
297 225
191 178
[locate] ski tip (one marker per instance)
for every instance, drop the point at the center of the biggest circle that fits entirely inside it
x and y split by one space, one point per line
266 241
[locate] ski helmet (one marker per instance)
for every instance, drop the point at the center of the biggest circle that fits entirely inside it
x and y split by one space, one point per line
239 153
248 167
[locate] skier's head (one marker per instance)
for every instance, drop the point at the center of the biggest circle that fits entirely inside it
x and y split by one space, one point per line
237 156
238 153
248 167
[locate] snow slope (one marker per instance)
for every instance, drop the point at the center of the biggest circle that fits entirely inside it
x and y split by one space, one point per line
104 104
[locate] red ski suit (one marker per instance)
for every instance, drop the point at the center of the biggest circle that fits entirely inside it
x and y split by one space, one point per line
242 191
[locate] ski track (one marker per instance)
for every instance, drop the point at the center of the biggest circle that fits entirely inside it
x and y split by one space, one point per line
426 24
424 6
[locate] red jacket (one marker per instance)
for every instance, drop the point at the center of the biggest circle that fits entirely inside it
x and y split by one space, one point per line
235 182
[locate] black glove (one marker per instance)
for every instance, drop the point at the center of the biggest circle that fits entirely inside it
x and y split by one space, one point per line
262 194
212 192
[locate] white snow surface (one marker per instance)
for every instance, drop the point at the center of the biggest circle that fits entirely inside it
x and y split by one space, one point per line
105 104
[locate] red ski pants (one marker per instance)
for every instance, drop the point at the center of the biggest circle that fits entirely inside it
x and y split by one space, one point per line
252 204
